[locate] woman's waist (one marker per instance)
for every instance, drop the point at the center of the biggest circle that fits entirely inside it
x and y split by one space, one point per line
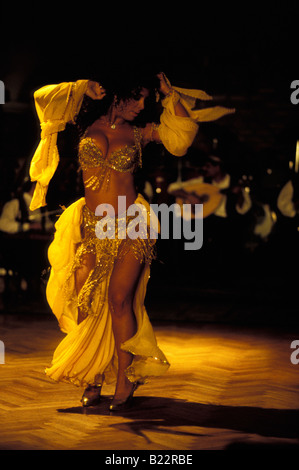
105 222
113 203
119 184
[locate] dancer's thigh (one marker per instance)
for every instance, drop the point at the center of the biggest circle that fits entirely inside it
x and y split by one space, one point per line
124 280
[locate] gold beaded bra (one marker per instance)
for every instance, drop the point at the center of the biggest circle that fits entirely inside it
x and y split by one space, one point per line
125 159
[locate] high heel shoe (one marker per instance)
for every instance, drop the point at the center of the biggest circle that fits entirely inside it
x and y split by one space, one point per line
91 395
122 405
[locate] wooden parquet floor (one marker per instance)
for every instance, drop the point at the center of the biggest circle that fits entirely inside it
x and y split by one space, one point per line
227 388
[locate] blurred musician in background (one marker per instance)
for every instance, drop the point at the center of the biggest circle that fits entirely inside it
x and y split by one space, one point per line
288 198
16 216
225 203
229 195
23 235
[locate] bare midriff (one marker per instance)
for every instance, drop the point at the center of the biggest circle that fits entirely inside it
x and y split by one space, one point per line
120 184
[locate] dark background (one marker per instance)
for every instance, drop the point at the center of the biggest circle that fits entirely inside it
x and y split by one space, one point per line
245 56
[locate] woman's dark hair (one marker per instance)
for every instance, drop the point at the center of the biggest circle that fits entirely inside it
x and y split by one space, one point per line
120 87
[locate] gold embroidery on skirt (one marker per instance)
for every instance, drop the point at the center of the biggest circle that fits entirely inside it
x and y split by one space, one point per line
107 251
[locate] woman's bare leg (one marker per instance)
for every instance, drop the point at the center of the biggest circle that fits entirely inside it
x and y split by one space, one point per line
122 287
92 392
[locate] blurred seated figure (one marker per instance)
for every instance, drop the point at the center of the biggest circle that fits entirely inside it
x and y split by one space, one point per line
288 198
16 216
24 237
225 203
288 234
264 220
232 196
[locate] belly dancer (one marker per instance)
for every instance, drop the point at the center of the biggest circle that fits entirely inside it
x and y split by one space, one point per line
97 285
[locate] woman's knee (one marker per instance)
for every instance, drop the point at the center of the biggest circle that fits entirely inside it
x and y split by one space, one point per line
120 302
123 283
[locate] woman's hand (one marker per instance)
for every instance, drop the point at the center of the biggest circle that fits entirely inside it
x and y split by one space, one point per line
166 89
165 86
95 90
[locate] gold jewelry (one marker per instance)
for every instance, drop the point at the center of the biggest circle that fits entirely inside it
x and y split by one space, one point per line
170 92
154 127
108 122
173 95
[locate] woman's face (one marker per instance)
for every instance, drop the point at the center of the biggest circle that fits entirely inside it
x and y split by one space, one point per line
129 109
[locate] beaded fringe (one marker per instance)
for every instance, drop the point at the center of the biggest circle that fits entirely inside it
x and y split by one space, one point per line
106 251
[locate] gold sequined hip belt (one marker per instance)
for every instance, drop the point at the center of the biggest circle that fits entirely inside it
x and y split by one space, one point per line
119 227
106 251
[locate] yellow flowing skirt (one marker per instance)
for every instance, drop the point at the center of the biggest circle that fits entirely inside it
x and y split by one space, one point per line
87 354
